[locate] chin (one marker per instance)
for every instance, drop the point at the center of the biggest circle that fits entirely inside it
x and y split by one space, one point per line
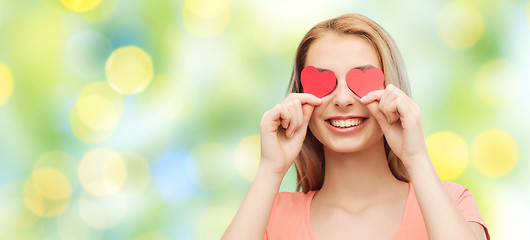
341 148
349 145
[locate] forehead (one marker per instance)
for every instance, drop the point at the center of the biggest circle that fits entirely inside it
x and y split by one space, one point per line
341 52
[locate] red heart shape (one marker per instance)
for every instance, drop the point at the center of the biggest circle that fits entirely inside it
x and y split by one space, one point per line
361 83
317 83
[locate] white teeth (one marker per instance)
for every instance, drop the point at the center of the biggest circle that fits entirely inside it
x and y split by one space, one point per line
346 123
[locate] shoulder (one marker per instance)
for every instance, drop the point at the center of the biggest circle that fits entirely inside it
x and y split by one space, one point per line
290 202
288 217
454 187
290 197
467 204
456 190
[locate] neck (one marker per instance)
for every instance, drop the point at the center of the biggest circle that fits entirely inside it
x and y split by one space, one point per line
357 176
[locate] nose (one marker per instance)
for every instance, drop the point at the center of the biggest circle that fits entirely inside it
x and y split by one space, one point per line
343 96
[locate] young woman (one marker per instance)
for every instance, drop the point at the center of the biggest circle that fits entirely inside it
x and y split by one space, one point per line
362 163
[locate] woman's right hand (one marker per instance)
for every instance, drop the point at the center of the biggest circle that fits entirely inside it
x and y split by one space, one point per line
283 130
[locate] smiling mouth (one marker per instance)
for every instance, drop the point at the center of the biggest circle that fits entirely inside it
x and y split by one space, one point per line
346 123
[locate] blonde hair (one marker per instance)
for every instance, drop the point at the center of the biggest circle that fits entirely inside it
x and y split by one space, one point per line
310 162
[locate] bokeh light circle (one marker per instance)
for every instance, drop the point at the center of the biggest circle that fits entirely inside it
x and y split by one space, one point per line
61 161
84 133
34 200
449 154
214 166
81 5
102 212
460 25
6 83
52 184
102 172
247 157
47 193
206 18
86 10
171 176
129 70
499 83
96 113
494 153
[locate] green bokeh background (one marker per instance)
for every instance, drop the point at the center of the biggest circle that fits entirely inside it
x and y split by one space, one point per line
229 68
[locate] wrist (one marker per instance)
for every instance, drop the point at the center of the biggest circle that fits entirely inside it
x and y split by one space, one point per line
418 164
272 174
273 167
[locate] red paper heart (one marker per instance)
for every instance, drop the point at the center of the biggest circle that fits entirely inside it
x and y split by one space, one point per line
317 83
361 83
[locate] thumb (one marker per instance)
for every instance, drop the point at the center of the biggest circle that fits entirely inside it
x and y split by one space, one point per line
379 116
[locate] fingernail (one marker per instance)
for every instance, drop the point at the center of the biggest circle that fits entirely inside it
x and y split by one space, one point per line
362 99
291 135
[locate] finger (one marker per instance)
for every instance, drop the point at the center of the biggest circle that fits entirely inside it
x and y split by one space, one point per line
290 130
307 98
307 112
285 117
405 108
390 93
391 111
272 116
402 107
296 124
398 93
386 106
299 116
293 106
372 96
395 118
383 99
376 113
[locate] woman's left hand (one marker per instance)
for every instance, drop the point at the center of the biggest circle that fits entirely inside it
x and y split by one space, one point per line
400 121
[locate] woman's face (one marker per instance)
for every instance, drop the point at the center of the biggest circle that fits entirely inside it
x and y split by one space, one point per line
342 123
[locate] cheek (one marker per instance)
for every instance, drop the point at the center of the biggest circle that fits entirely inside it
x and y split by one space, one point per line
317 129
375 128
316 117
313 125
